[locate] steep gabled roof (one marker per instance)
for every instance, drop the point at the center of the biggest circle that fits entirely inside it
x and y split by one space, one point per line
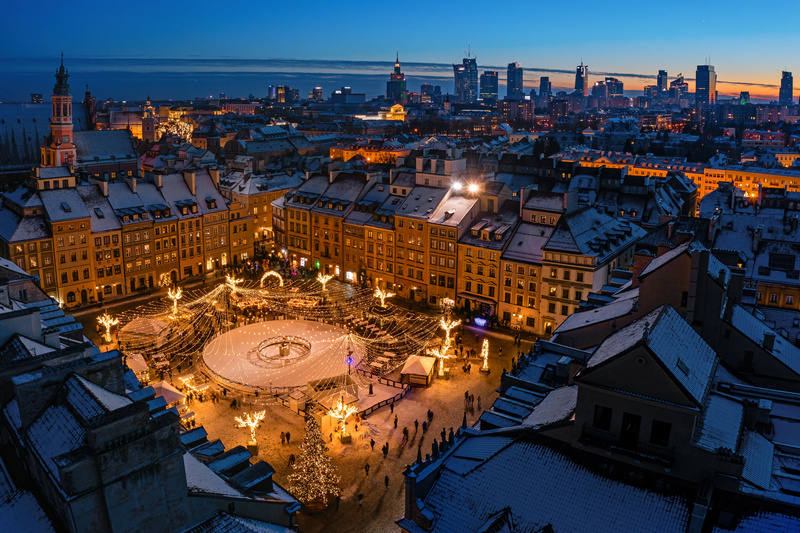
673 342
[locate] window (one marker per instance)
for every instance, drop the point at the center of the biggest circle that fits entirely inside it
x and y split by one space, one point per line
491 290
566 274
480 288
519 300
553 272
602 418
564 310
530 322
553 291
63 277
507 297
565 293
468 267
789 299
579 276
659 433
773 298
579 295
468 286
531 302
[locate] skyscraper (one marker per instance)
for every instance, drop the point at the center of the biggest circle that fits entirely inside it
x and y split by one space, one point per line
662 80
396 86
600 91
514 90
705 85
489 90
678 87
614 87
466 79
544 87
787 89
582 79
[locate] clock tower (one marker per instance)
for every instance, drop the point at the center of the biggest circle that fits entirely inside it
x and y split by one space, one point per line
59 148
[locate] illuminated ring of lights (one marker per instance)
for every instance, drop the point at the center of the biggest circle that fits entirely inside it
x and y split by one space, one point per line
228 358
267 355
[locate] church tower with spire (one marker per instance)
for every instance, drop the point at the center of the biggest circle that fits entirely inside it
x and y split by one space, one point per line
396 86
58 148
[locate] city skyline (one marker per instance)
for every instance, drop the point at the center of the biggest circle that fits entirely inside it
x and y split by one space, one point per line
626 47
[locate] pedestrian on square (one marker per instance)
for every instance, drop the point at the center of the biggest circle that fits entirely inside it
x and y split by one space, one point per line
405 434
287 437
283 438
395 421
416 425
372 444
391 407
386 481
291 460
366 469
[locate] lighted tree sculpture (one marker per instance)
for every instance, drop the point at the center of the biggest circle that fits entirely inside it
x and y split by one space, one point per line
447 325
175 295
273 274
485 355
108 321
251 421
382 295
341 411
233 283
324 279
314 479
440 355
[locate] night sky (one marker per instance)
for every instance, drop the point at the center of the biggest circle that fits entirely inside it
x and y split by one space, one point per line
184 50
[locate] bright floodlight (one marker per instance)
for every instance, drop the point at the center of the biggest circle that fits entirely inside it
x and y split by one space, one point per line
457 185
473 188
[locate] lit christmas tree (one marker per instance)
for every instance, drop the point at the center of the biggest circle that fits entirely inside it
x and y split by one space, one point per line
314 479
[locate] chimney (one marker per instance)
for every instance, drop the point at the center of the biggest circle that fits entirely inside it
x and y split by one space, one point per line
189 178
50 337
671 229
757 237
769 340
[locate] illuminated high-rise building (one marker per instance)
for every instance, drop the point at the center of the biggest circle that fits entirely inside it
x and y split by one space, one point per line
514 84
662 81
316 94
396 86
545 90
678 87
582 79
614 87
489 86
705 85
787 89
466 79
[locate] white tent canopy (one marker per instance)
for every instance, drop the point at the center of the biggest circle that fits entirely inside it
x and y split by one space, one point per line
136 363
145 326
419 366
168 392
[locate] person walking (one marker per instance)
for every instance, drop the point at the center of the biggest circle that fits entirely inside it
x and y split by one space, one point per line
372 444
479 403
416 426
287 437
283 438
395 421
405 434
386 481
391 407
366 469
291 460
360 501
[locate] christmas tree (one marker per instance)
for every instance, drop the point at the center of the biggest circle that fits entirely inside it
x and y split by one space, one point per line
314 478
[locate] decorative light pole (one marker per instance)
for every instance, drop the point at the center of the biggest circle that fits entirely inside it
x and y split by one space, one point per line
341 412
382 295
108 321
485 356
175 295
324 279
251 421
440 355
273 274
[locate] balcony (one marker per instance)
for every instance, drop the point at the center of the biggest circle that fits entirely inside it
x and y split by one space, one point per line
644 452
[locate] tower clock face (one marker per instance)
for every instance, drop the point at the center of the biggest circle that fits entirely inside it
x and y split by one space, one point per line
65 139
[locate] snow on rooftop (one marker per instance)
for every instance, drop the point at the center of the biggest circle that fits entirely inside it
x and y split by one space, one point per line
518 476
90 400
754 329
673 341
758 454
763 522
200 478
221 522
557 406
615 309
665 258
55 433
720 423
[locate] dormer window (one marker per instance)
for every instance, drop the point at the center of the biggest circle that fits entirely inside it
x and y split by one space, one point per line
144 216
194 208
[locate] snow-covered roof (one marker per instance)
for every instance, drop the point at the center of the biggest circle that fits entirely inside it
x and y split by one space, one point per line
220 522
516 474
754 329
145 326
102 214
665 258
589 232
763 522
421 202
557 406
168 392
103 145
419 365
63 204
758 454
90 400
19 509
527 242
200 478
611 311
720 423
55 433
673 341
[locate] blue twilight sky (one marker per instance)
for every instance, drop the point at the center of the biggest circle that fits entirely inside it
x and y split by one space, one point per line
187 49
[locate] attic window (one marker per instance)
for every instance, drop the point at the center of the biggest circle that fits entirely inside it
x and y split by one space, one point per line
194 208
135 216
99 212
125 218
144 215
166 212
683 367
65 206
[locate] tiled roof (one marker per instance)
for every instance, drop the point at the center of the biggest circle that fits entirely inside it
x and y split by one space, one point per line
221 522
536 483
755 329
615 309
758 454
557 406
720 423
673 341
55 433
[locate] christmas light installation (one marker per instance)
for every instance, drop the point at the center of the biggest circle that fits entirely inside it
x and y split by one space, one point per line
175 295
233 283
382 295
324 279
485 355
341 412
440 354
314 481
272 273
108 321
251 421
447 325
